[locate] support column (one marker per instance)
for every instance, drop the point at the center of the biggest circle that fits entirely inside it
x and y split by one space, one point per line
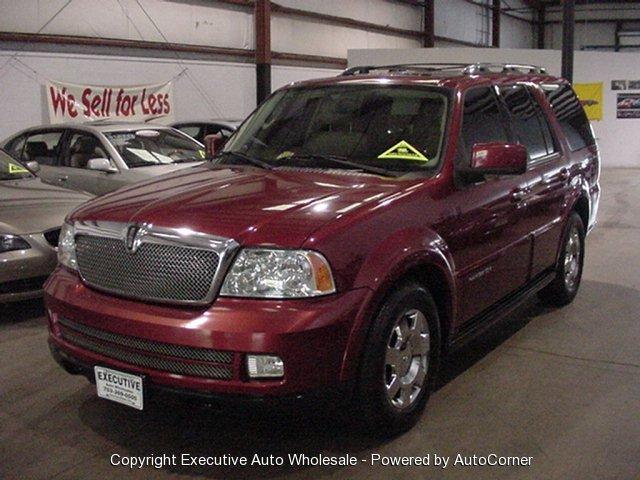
495 24
541 26
568 24
262 15
429 40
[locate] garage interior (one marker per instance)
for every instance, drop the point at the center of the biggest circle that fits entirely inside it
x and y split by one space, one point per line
560 385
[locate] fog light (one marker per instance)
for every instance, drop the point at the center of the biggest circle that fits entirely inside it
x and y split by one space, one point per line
265 366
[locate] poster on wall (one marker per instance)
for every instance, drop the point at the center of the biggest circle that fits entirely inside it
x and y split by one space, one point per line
79 103
590 95
628 105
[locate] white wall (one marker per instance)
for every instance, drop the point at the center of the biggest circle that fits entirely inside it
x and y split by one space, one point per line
198 22
619 140
230 87
589 33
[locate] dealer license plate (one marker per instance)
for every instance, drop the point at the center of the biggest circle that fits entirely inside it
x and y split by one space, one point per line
119 387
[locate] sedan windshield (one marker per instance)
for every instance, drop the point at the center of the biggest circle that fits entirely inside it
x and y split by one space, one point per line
143 148
377 129
11 169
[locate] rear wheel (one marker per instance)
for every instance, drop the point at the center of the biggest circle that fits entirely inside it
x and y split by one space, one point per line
400 361
563 289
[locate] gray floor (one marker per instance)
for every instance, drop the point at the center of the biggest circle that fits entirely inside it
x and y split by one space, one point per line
561 386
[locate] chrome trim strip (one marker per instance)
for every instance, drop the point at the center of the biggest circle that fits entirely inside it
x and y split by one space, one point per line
226 248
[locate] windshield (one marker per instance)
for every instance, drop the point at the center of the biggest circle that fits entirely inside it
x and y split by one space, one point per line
11 169
143 148
386 128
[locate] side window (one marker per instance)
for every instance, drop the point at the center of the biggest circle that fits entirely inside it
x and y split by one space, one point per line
570 115
482 121
191 130
42 148
15 147
82 148
525 119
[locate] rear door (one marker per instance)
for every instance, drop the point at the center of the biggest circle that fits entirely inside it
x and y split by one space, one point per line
548 175
549 189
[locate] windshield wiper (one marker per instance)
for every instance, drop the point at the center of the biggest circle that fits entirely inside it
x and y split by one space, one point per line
339 160
253 161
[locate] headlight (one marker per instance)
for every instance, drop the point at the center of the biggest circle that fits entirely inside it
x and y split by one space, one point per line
9 243
266 273
67 247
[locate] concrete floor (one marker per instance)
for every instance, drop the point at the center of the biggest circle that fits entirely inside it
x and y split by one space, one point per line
561 386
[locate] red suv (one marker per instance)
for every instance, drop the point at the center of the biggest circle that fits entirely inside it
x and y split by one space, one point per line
348 235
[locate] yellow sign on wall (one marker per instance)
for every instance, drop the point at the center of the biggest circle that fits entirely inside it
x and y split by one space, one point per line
590 95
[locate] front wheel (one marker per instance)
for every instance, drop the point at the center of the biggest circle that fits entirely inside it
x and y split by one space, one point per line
400 361
563 289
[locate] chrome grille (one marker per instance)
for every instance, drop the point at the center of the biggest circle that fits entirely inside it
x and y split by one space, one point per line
155 272
200 362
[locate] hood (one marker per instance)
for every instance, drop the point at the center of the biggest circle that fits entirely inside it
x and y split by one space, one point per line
253 206
30 206
139 174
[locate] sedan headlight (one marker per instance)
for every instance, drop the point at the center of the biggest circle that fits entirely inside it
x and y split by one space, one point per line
9 243
67 247
268 273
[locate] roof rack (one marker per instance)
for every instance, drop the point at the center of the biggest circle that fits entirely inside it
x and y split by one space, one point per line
464 68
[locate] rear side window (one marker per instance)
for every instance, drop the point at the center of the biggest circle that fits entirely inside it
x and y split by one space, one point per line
570 115
525 119
482 121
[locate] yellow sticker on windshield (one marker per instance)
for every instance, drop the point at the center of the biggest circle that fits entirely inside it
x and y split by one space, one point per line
13 168
202 154
403 151
285 154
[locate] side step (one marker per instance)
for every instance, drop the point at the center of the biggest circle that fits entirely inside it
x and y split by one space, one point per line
489 317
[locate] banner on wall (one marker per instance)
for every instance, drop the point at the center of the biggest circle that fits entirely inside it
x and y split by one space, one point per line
79 103
590 95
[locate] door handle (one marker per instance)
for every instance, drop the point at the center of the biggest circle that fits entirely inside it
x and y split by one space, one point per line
518 195
564 174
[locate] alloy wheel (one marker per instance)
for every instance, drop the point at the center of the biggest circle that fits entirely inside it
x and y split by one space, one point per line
407 359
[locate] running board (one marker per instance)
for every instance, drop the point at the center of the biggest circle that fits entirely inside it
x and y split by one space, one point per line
492 315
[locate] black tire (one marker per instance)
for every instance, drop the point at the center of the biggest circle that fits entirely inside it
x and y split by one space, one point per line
380 415
561 291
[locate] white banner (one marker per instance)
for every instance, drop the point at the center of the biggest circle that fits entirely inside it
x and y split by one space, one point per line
79 103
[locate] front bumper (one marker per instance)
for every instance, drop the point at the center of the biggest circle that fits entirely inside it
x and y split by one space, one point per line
309 335
23 272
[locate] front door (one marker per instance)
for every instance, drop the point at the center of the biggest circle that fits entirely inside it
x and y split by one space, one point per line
488 234
80 147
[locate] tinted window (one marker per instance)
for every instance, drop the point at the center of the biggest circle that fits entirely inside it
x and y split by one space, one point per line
42 148
570 114
525 119
82 148
482 121
15 147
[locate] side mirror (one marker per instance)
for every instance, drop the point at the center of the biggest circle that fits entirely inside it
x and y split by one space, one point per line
33 166
499 159
101 165
213 144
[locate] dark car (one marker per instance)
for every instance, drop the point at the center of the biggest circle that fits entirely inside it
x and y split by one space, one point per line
352 231
199 129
